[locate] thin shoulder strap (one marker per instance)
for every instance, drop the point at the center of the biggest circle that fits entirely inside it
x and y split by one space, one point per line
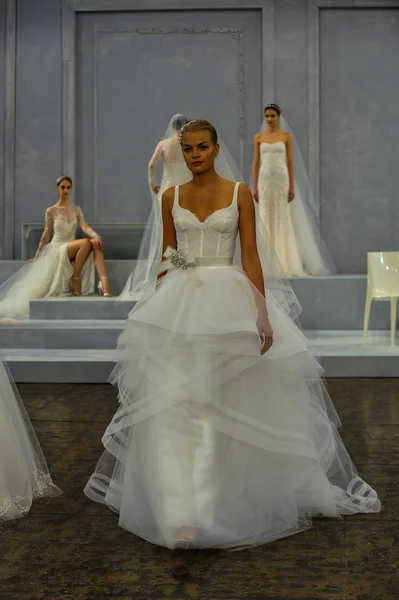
235 195
176 200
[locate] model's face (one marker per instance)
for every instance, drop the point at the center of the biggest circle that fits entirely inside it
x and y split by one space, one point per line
199 151
64 189
271 117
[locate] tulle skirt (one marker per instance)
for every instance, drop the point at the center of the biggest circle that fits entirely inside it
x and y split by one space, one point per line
24 475
211 437
47 276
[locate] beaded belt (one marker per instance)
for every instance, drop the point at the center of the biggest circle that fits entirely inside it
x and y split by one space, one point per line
178 259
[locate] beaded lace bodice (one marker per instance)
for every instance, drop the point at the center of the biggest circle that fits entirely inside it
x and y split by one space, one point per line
273 162
64 221
214 237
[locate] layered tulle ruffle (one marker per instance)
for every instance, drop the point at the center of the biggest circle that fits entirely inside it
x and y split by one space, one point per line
213 438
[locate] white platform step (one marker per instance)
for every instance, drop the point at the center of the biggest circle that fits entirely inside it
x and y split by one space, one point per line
329 303
61 334
342 354
60 366
80 308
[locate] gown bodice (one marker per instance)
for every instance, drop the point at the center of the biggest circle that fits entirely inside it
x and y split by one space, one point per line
64 220
64 229
273 160
214 237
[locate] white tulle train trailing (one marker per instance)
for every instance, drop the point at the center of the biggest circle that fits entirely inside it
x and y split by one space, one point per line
24 475
47 276
211 437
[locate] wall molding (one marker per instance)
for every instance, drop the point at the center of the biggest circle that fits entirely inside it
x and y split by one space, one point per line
71 9
236 33
314 102
9 129
356 3
132 5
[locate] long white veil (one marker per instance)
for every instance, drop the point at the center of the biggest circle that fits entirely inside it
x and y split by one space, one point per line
175 172
142 282
305 215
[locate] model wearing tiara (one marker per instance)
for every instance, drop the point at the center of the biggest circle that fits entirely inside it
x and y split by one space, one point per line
174 172
62 266
168 149
284 208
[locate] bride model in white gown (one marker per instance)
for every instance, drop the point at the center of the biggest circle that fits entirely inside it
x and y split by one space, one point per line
62 266
283 208
24 475
223 437
174 172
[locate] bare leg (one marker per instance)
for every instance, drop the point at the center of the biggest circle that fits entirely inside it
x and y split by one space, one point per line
99 263
79 251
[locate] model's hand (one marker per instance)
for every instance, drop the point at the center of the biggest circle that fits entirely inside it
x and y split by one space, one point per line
266 341
155 188
291 193
255 194
265 332
98 242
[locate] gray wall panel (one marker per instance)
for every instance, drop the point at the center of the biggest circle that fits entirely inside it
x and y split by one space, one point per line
292 67
204 64
359 133
38 110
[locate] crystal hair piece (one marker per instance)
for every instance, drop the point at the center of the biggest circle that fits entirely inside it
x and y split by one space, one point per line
184 127
59 179
275 106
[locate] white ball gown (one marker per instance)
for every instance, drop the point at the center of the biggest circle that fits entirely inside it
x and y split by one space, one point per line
24 475
209 435
49 275
288 226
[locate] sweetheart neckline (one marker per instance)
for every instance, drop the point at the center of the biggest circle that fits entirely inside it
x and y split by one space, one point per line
208 216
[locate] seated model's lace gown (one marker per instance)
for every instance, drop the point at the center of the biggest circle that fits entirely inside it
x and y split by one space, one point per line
24 475
49 275
209 435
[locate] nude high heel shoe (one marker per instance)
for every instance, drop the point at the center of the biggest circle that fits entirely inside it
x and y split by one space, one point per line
101 288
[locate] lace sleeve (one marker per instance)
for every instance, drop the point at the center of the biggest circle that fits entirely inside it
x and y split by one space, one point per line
83 225
151 165
48 227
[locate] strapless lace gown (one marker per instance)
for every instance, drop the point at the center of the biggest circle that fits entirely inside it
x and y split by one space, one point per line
288 231
50 274
209 434
24 475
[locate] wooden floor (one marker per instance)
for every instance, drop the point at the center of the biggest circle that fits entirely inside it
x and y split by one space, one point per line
71 548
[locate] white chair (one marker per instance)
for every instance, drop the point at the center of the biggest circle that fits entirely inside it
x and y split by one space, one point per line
382 284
